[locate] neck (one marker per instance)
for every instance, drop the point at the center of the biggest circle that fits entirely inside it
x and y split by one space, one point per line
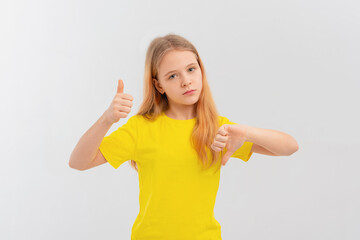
181 113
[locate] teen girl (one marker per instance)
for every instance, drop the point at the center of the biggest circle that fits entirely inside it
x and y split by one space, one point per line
176 142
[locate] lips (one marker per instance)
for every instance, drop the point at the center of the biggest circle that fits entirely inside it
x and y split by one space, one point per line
188 91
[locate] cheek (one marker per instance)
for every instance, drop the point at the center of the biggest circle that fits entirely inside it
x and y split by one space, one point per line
199 77
200 80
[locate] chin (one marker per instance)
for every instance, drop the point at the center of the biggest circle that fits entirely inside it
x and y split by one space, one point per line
193 102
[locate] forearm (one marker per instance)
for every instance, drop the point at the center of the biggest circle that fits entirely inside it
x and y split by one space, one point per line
86 149
279 143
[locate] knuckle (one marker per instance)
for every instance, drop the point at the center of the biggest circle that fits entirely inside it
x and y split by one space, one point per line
123 109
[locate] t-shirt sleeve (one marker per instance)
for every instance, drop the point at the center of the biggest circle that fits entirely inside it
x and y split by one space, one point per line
119 146
244 152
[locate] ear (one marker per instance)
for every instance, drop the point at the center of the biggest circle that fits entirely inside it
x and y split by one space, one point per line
158 86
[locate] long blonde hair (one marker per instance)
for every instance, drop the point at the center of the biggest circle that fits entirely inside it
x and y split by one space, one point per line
154 103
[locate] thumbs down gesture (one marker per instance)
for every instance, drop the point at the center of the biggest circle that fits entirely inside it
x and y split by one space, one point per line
231 137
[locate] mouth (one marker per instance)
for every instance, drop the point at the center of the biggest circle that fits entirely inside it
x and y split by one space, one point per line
189 92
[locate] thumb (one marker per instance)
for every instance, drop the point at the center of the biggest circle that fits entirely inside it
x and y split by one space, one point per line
227 128
120 88
225 158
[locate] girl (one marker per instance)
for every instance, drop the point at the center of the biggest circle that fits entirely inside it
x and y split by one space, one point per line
176 142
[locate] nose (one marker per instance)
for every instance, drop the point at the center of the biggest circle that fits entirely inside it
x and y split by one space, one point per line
186 81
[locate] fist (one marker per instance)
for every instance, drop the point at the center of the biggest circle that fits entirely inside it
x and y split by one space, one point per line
231 137
120 106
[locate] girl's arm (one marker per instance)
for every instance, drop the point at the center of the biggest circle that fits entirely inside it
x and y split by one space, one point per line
86 153
87 148
277 142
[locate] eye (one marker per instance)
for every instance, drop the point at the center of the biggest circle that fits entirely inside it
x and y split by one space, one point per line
189 69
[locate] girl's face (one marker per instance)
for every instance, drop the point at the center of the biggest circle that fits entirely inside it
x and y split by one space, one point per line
179 72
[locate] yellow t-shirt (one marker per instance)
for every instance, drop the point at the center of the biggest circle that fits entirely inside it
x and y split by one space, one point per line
176 196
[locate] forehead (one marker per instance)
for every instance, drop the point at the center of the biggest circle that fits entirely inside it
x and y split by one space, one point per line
175 59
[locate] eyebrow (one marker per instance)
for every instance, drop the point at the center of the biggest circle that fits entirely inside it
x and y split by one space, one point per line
175 70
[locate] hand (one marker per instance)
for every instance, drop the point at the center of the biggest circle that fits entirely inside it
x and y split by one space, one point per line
231 137
120 106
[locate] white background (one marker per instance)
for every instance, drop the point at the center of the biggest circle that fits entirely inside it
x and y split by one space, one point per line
292 66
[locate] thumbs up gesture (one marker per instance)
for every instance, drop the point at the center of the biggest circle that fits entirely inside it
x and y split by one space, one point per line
231 137
120 106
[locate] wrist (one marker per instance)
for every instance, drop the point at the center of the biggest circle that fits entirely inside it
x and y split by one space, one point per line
248 132
105 121
242 131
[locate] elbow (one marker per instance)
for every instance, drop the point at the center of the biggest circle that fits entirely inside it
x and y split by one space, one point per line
291 147
294 149
70 164
73 166
75 163
296 146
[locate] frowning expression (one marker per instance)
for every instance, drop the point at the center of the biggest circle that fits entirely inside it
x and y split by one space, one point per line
179 72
